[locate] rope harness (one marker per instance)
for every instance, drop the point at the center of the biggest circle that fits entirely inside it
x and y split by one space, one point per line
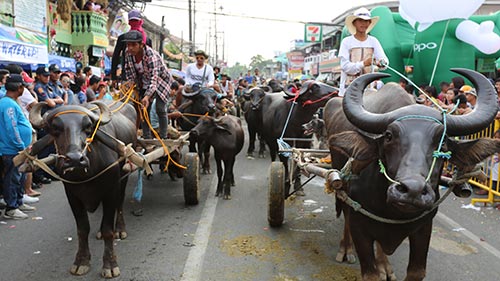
128 97
346 172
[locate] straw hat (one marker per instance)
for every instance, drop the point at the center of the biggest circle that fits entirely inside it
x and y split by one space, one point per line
361 13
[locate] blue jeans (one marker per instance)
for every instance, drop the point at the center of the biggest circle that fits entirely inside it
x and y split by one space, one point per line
13 183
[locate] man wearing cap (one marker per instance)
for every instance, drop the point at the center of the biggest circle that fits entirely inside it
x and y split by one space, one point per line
55 84
146 68
42 89
360 53
199 71
470 94
15 136
135 21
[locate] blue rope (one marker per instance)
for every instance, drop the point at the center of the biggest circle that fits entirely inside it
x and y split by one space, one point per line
281 143
436 154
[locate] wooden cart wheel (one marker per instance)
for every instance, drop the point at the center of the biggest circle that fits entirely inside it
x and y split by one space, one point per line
192 179
276 196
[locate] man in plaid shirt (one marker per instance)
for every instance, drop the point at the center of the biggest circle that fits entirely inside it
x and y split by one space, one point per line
145 67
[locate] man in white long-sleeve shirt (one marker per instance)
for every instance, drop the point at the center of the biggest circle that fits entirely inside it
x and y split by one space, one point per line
360 53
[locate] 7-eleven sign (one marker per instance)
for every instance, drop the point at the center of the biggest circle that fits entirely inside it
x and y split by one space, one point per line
313 33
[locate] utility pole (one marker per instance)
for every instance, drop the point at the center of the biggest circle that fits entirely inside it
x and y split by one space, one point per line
210 41
190 28
215 32
162 37
194 25
223 37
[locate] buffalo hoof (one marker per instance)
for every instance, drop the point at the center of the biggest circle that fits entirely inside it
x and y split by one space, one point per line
342 256
110 273
388 276
98 235
121 235
206 171
250 156
79 269
300 192
227 197
262 155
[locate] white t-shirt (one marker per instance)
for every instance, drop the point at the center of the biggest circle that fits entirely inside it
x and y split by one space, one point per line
195 74
25 100
353 68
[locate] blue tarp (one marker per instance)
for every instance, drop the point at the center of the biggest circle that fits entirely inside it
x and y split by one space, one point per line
64 63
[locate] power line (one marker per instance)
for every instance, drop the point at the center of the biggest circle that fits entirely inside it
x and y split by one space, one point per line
229 15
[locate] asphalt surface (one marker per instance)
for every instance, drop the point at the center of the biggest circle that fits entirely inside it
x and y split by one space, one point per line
231 239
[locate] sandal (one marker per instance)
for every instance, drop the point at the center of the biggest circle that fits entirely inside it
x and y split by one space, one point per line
34 194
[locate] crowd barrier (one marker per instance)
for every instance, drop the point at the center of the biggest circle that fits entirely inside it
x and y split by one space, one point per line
491 185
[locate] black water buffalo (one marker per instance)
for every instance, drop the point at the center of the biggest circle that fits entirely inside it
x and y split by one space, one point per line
316 127
226 135
387 128
201 101
275 113
86 182
253 116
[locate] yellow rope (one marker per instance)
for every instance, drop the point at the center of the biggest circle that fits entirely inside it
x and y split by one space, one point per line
69 111
169 158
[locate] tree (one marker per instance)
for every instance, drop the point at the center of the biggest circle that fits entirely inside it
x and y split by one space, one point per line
256 62
235 70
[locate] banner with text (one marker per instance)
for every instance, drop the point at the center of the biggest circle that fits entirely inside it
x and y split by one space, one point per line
23 52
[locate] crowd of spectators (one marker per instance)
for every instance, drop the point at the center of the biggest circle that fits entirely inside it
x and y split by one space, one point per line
19 92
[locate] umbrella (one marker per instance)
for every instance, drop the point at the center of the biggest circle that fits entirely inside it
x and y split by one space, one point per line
302 77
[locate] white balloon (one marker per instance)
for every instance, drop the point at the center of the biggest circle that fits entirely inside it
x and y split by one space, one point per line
480 36
426 12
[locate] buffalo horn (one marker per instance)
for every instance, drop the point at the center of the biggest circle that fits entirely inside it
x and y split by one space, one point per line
376 123
35 117
188 95
354 110
267 89
105 113
484 112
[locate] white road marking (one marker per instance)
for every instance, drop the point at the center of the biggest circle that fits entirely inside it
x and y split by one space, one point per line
454 225
194 262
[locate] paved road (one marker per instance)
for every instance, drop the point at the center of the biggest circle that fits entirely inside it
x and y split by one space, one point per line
231 240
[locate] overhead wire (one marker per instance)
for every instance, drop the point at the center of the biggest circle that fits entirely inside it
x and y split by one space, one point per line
228 15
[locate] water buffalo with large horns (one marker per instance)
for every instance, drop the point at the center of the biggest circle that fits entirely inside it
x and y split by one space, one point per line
410 142
226 135
276 113
253 116
90 171
197 102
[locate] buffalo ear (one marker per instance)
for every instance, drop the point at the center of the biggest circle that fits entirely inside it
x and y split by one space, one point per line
466 153
355 145
222 127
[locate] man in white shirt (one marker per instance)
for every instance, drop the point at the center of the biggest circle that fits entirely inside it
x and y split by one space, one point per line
199 71
360 53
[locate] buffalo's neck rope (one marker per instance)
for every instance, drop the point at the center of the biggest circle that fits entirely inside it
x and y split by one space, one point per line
436 154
